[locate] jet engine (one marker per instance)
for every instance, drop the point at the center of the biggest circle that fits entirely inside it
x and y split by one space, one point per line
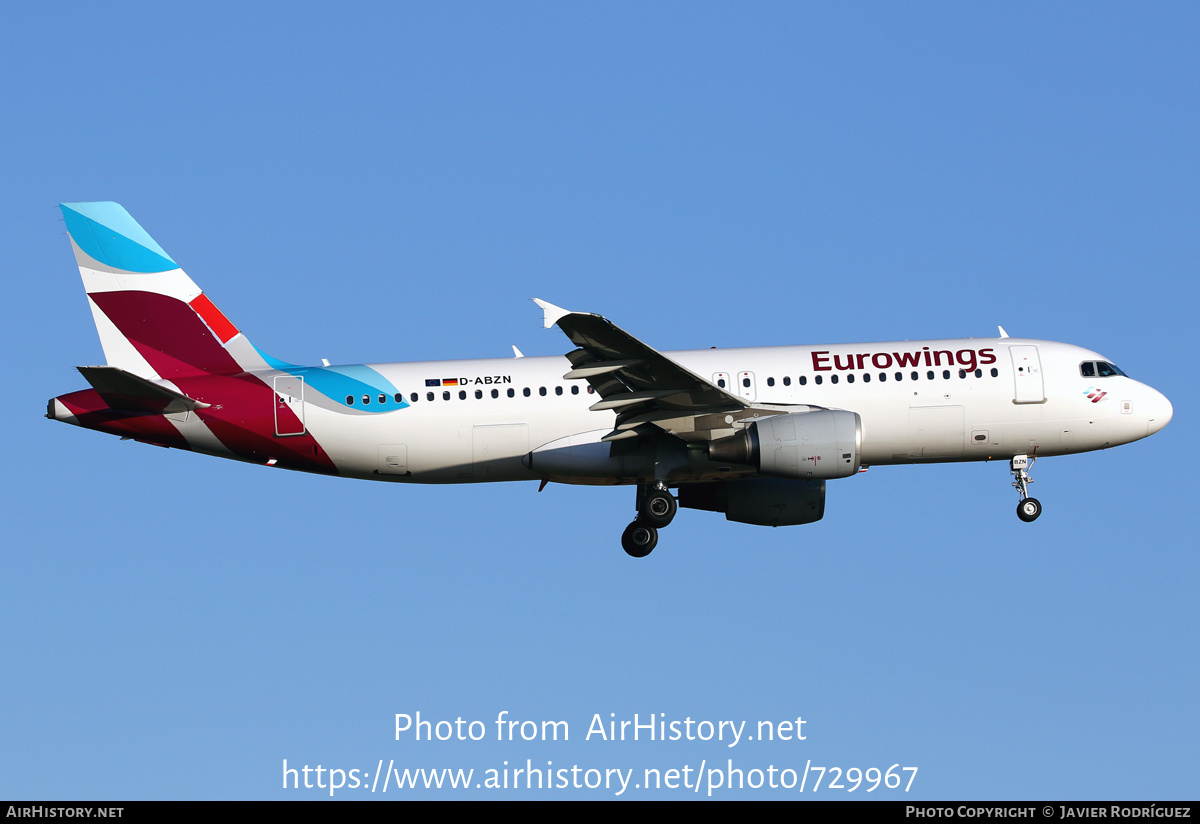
804 445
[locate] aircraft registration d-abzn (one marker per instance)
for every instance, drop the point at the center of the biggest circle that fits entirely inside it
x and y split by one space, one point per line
754 433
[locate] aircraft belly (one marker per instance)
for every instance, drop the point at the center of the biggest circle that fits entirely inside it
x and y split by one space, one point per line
415 445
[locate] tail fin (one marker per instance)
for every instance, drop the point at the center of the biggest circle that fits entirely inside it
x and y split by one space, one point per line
153 321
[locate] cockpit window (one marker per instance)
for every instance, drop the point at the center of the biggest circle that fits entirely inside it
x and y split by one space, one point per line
1099 369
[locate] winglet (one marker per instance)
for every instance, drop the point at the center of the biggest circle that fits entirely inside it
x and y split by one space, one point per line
1003 334
552 313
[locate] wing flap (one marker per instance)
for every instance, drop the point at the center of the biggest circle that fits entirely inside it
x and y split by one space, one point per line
649 391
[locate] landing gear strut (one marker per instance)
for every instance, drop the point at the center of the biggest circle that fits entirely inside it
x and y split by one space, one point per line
1029 508
656 509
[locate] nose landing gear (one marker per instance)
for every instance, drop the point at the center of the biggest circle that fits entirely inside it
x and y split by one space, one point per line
1029 508
656 509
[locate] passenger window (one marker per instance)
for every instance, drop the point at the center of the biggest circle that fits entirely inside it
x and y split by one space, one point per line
929 375
770 381
995 372
867 377
804 380
833 378
524 392
349 400
850 378
818 379
591 390
462 394
414 397
914 375
446 396
979 373
399 398
366 399
383 398
542 391
428 396
558 390
495 393
962 373
899 376
946 374
478 394
787 381
574 389
721 383
512 393
746 382
883 376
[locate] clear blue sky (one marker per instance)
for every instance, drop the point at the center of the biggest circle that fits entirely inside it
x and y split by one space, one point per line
394 182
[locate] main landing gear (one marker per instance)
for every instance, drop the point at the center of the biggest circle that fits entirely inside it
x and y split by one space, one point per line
1029 508
656 509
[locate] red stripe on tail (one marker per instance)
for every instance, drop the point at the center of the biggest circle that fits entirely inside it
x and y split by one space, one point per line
211 315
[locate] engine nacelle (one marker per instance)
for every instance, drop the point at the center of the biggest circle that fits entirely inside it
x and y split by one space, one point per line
761 501
803 445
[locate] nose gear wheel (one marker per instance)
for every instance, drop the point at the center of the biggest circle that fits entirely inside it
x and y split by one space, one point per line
1029 508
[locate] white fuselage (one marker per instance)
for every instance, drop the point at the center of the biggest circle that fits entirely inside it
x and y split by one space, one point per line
951 400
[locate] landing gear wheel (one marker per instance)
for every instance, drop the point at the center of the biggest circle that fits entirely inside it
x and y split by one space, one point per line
639 539
658 509
1029 509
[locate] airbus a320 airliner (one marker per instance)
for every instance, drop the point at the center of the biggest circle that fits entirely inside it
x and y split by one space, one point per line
754 433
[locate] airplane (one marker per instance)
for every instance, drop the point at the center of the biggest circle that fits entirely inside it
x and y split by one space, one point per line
753 433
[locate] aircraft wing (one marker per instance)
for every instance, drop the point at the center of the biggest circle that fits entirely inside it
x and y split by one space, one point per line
644 387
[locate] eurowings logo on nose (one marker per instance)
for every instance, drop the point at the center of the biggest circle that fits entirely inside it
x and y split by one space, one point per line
1094 395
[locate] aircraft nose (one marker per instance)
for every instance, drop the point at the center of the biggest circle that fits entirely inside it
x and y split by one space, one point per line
1160 412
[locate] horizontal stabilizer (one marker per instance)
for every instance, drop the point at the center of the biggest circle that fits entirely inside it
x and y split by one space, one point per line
125 390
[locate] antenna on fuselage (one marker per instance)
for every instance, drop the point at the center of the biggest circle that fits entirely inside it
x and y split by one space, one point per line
517 352
1003 334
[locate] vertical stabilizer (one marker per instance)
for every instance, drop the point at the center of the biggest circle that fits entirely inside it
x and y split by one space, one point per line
153 321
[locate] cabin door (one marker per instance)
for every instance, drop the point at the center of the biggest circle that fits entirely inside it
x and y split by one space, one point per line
1027 375
289 405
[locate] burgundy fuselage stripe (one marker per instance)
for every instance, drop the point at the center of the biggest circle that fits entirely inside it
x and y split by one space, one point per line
242 418
93 413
